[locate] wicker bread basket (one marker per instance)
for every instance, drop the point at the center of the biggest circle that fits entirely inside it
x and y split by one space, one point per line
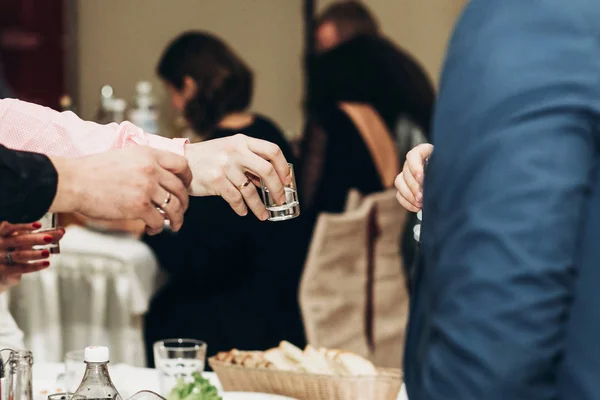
303 386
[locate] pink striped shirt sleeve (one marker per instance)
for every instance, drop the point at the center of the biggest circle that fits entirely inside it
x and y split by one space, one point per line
30 127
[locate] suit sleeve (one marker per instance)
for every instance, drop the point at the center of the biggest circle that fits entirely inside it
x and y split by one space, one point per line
505 198
28 183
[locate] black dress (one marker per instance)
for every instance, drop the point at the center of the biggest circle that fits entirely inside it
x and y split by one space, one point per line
335 159
232 281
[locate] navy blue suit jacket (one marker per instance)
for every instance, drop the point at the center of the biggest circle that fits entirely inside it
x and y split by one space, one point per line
506 300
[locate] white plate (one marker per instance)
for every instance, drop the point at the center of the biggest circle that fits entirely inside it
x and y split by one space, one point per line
252 396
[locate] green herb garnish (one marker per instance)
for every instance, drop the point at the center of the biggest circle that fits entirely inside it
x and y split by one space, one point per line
198 389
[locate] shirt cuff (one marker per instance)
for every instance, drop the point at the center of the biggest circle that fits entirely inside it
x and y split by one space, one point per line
173 145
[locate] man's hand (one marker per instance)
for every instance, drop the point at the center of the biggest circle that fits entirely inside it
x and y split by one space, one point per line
126 183
222 166
410 181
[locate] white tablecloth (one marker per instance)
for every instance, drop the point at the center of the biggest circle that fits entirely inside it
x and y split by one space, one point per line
94 293
128 380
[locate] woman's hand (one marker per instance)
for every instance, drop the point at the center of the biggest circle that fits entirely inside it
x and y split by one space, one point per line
410 181
222 167
17 256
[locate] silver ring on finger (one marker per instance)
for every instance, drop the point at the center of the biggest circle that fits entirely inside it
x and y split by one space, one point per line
8 258
167 200
161 208
166 222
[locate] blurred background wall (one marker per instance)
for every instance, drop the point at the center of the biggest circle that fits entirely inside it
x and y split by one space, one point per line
118 42
116 49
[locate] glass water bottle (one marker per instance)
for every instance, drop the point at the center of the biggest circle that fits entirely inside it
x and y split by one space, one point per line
18 375
96 384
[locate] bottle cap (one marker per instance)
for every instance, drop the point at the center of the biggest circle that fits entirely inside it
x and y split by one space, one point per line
96 354
106 91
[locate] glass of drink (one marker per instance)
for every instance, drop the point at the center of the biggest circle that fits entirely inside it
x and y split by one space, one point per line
74 369
288 210
176 360
49 222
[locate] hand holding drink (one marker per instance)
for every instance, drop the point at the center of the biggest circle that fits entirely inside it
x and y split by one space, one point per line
290 207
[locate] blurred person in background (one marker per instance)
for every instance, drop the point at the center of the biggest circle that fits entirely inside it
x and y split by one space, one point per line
232 282
371 69
342 21
363 68
346 20
506 289
335 154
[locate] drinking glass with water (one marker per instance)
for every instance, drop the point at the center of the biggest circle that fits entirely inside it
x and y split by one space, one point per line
176 360
290 208
74 369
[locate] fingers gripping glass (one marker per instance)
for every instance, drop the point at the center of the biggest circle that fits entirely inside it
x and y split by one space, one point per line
49 222
290 208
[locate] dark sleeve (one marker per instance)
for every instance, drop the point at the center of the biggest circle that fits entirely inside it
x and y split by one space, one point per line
505 195
28 183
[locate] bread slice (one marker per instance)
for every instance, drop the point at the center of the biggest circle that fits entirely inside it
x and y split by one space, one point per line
292 352
316 362
287 357
281 361
252 359
332 362
355 365
265 364
224 356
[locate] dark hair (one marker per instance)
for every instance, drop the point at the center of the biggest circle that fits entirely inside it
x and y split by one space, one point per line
351 18
224 82
372 70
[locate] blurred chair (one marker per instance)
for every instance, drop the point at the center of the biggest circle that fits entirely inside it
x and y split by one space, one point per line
353 291
95 292
10 335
